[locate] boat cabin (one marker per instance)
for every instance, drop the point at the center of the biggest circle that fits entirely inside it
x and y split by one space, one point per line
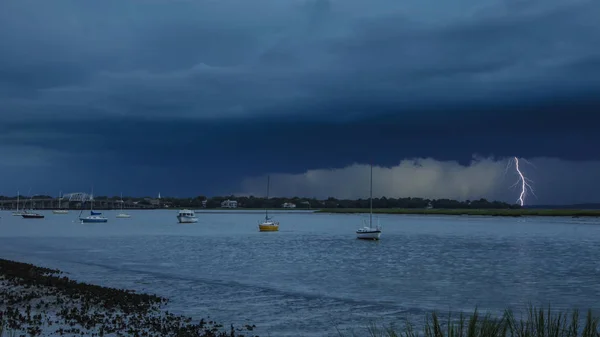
187 212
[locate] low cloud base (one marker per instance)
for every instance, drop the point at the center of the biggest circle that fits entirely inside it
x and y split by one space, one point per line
554 181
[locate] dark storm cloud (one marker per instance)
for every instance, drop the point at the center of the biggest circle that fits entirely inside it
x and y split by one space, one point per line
203 59
145 84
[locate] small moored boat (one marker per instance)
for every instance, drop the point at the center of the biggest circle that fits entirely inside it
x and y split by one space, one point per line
369 232
268 225
17 212
94 217
60 210
187 216
122 215
30 215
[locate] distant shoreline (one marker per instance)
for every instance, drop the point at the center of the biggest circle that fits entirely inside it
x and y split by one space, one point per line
399 211
481 212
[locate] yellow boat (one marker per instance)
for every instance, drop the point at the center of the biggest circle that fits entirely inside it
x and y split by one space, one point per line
268 226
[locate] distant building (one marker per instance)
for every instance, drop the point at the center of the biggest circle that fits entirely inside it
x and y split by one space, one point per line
229 204
288 205
204 203
429 205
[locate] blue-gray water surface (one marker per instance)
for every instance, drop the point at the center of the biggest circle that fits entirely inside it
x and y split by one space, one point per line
313 275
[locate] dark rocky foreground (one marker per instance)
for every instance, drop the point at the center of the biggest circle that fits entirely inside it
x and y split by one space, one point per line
37 301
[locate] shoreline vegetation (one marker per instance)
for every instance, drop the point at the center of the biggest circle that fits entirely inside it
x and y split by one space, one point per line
37 301
522 212
536 323
416 206
251 202
470 212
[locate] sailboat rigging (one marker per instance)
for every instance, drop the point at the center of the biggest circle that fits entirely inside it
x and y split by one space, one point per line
60 210
268 225
369 232
31 215
122 214
18 213
94 217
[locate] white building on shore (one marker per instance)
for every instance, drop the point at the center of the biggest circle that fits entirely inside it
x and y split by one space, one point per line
229 204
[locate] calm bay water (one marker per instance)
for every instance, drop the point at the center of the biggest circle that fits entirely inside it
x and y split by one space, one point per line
314 274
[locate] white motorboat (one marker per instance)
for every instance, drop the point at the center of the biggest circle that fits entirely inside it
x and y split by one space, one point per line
186 216
369 232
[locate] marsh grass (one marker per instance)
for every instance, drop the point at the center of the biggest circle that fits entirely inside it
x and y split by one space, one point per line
536 323
480 212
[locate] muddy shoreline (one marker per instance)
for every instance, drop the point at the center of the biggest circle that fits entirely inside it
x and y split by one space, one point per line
38 301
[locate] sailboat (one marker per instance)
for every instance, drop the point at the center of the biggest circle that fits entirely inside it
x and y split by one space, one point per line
17 212
268 225
31 215
122 214
94 217
369 232
60 210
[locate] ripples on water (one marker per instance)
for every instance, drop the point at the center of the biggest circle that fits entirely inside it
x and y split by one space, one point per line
313 274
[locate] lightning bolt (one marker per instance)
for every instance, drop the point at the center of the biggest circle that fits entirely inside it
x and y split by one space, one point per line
523 181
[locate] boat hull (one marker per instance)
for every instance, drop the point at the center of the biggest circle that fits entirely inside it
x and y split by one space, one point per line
17 213
32 216
268 228
371 235
93 220
187 219
123 216
60 211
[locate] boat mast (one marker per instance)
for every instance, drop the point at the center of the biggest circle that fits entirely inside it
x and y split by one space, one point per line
267 206
30 199
18 195
371 200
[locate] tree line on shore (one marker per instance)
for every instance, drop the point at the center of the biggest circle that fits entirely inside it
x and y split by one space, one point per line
298 202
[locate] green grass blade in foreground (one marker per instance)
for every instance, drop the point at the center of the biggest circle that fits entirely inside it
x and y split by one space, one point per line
536 323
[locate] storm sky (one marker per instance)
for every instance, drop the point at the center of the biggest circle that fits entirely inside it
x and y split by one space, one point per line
203 97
